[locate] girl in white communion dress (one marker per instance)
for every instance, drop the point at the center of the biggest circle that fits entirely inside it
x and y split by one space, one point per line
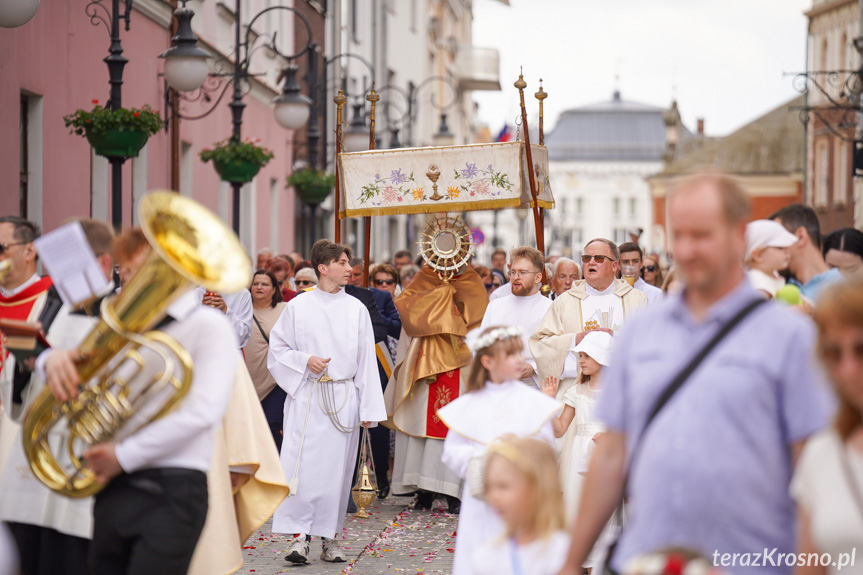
581 429
496 404
521 485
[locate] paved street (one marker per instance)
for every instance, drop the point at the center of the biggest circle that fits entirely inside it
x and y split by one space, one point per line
396 538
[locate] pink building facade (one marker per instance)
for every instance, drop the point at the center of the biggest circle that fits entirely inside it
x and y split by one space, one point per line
53 65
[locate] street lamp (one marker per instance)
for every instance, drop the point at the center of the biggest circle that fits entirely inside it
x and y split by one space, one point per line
14 13
186 66
443 137
292 108
356 137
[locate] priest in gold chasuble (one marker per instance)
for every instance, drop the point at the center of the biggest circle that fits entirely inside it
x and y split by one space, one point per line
436 315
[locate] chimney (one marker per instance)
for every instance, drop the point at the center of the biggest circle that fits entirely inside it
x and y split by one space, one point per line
700 126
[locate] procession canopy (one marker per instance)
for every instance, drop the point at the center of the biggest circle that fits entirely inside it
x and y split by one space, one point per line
442 179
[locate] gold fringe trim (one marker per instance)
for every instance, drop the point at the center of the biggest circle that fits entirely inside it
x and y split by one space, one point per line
435 208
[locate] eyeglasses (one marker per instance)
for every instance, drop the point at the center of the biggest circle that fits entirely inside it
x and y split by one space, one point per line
650 269
304 282
833 354
385 282
599 259
522 273
4 247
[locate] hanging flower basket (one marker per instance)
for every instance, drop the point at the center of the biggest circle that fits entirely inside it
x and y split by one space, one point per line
237 161
237 170
117 143
312 186
115 133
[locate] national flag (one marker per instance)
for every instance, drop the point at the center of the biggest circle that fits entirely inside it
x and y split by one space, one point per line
505 134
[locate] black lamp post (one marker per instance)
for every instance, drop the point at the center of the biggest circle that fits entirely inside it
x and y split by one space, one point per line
291 108
116 62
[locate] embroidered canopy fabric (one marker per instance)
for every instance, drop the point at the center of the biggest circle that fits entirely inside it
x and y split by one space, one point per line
442 179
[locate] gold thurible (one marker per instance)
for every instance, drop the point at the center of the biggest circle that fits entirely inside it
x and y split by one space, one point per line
364 493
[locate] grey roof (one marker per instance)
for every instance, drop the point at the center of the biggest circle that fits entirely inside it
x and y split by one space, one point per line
616 130
771 144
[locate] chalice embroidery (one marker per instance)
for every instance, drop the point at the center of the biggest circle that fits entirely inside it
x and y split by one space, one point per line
433 174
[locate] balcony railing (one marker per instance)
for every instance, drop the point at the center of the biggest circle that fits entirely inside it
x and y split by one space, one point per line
478 68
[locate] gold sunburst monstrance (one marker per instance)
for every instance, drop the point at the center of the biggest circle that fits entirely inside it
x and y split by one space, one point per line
445 245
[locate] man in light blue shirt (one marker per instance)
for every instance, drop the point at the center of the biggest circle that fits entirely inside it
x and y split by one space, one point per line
806 260
711 473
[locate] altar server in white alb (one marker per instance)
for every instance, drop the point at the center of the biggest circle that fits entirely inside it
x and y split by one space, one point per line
322 353
524 307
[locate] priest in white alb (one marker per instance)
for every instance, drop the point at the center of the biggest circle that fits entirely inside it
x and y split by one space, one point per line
322 353
524 307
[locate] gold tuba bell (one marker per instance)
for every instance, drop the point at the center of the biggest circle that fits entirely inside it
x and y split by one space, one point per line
189 246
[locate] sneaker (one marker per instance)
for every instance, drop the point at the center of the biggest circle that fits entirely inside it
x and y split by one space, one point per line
298 552
332 551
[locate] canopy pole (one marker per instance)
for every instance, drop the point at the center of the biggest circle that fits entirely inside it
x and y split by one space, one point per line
520 85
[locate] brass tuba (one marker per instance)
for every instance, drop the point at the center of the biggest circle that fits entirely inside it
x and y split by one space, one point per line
189 246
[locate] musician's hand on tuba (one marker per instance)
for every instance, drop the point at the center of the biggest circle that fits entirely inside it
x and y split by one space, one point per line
62 374
102 460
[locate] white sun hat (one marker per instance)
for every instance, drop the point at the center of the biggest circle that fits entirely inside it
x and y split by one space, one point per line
596 344
767 234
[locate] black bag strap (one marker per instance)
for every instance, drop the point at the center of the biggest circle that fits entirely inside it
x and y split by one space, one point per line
672 388
687 371
261 329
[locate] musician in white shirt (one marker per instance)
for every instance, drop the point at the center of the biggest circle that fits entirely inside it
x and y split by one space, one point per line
150 514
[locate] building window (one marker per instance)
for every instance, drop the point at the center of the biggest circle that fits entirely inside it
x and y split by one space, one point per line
355 28
822 173
840 191
616 207
187 166
633 207
824 61
23 161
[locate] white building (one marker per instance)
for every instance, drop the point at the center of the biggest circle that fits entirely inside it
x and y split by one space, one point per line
599 158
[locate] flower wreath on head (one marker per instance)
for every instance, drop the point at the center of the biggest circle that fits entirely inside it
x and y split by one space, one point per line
495 335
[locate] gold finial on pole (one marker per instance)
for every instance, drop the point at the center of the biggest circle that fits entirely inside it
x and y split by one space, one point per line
373 98
541 95
339 100
520 84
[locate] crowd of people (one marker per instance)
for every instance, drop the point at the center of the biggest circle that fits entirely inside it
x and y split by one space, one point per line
652 413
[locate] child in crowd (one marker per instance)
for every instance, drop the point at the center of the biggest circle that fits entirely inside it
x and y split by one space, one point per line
496 404
767 244
521 485
577 422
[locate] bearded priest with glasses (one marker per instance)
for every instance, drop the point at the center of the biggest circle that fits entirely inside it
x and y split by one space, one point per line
598 302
